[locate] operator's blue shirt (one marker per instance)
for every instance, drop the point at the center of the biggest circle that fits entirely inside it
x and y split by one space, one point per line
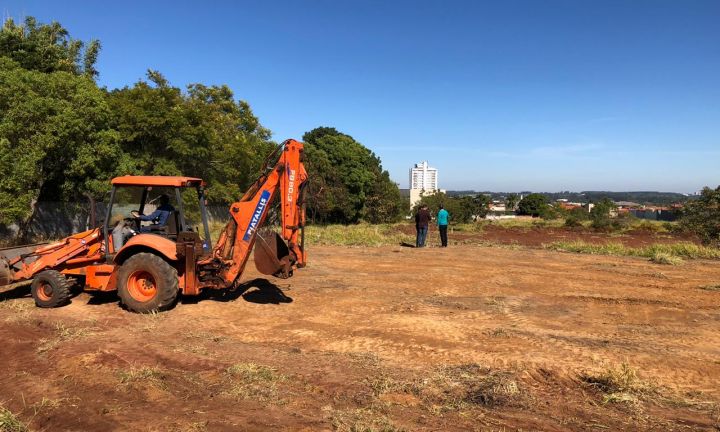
442 217
160 216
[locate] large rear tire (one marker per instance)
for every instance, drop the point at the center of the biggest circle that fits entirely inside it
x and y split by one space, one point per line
147 283
50 289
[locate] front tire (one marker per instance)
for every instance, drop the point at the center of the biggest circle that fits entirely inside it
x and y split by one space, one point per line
147 283
50 289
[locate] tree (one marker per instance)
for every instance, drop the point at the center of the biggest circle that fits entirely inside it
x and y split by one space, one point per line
347 180
54 140
534 205
462 209
601 214
385 203
511 201
702 216
47 48
203 132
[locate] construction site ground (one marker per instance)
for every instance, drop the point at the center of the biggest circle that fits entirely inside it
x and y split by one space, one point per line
468 337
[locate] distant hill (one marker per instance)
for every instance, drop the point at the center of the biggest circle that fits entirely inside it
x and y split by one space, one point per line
641 197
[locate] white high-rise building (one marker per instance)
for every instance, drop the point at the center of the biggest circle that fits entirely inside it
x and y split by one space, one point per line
422 176
423 181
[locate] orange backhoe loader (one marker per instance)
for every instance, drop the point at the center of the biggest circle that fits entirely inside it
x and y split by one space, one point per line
148 263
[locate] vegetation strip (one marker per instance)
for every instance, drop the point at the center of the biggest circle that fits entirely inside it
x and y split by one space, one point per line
655 252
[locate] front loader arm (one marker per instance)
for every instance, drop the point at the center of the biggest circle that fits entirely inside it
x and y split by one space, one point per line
285 180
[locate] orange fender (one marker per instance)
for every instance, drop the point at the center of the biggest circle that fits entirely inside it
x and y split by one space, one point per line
147 243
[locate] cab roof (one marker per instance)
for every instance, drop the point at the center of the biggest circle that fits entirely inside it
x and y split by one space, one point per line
169 181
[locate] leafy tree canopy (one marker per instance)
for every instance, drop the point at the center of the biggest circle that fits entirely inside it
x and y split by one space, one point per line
462 209
54 140
534 205
702 216
348 182
47 48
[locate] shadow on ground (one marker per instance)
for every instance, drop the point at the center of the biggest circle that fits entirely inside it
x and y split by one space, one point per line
259 290
15 292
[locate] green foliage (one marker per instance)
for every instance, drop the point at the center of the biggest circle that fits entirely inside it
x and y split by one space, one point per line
702 216
54 142
203 133
511 201
462 209
534 205
47 48
574 218
602 213
348 183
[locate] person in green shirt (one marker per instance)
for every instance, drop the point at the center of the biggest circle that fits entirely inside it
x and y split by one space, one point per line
442 220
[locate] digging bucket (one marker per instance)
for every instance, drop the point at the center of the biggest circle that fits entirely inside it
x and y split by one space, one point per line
271 254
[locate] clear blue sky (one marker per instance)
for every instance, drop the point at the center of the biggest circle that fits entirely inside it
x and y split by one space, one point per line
505 95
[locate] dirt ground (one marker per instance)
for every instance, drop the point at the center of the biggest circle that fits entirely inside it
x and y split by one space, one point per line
390 338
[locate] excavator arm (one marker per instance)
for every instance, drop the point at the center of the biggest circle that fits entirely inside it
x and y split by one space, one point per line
275 253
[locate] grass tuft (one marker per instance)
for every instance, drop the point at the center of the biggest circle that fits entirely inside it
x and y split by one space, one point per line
456 388
361 420
63 333
146 374
665 258
619 384
254 381
10 423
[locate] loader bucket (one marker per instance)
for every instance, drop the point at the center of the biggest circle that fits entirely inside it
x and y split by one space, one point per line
5 275
9 253
271 254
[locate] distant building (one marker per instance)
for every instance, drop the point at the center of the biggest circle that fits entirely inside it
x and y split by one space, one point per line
627 204
423 181
422 176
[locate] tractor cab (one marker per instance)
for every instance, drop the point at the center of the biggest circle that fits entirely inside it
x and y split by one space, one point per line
155 206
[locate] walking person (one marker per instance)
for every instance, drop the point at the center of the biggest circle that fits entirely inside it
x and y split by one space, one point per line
422 221
442 220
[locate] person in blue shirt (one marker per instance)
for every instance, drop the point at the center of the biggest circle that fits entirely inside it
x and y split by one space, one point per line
442 220
160 216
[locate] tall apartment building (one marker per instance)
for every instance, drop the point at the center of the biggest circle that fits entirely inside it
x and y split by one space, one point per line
423 180
423 176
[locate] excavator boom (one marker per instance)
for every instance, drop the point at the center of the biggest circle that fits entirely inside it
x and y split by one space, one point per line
275 253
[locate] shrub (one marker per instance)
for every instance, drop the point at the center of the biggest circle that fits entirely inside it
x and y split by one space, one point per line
702 216
533 205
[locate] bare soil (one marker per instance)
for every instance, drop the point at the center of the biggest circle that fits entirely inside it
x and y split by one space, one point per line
390 338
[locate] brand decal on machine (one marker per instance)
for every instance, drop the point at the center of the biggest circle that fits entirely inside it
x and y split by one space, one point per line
291 185
259 209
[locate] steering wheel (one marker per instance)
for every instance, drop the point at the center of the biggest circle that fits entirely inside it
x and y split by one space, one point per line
136 218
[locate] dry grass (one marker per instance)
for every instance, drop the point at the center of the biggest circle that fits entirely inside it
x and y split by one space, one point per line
153 376
457 388
63 333
46 404
254 381
10 423
665 258
361 420
357 235
19 309
675 250
619 384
